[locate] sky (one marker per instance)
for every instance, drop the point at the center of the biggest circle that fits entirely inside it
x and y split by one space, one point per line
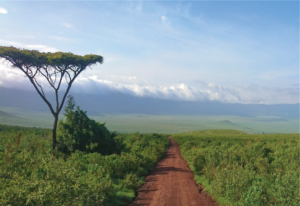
228 51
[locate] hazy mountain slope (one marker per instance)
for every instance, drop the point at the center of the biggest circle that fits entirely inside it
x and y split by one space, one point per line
117 103
11 119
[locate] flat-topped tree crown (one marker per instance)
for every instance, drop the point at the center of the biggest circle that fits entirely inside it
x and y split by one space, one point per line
54 67
35 58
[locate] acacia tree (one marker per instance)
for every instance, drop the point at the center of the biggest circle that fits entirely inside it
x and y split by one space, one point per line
54 67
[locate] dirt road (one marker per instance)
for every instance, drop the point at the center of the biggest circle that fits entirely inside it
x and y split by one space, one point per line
171 183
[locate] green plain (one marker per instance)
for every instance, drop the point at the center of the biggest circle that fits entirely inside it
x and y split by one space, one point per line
168 124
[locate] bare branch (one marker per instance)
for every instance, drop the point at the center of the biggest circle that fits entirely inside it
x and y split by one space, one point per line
38 91
65 95
36 72
48 79
61 77
39 86
54 77
71 68
69 77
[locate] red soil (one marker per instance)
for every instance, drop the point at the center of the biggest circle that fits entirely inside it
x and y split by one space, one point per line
171 183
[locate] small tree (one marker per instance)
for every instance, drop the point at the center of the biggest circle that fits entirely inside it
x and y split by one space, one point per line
79 132
54 67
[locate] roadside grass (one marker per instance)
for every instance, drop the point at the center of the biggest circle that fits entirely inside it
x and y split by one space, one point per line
244 169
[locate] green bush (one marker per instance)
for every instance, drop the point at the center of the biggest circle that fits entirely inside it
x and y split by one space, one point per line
79 132
199 162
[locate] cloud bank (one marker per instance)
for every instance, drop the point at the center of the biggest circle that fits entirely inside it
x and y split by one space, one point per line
184 92
13 78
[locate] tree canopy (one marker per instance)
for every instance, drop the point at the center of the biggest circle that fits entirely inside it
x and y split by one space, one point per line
33 58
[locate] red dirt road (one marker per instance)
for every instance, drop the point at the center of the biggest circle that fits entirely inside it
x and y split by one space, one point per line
171 183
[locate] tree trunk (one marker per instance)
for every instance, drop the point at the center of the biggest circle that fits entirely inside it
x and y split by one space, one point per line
54 130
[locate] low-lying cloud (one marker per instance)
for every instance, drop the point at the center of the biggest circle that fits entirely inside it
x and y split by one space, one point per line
206 91
13 78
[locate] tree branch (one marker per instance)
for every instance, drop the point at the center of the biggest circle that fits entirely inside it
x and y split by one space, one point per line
69 86
39 86
39 92
46 76
57 103
69 77
38 68
61 77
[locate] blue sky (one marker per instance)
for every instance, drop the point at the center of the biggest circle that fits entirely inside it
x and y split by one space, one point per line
233 51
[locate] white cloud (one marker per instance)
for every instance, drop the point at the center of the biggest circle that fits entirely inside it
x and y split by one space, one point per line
131 85
208 91
14 78
3 10
66 25
165 20
41 48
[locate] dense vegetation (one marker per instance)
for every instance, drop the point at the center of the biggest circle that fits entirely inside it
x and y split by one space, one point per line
242 169
79 132
31 175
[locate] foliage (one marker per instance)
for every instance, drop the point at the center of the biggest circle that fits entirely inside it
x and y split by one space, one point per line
244 169
79 132
34 58
199 162
54 67
31 175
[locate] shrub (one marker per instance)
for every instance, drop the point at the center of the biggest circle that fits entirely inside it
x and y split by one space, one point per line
199 162
79 132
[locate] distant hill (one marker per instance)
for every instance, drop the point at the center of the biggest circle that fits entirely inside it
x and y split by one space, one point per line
10 119
5 115
212 131
227 122
117 103
24 118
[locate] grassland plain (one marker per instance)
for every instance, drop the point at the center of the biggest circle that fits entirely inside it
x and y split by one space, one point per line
31 175
168 124
244 169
